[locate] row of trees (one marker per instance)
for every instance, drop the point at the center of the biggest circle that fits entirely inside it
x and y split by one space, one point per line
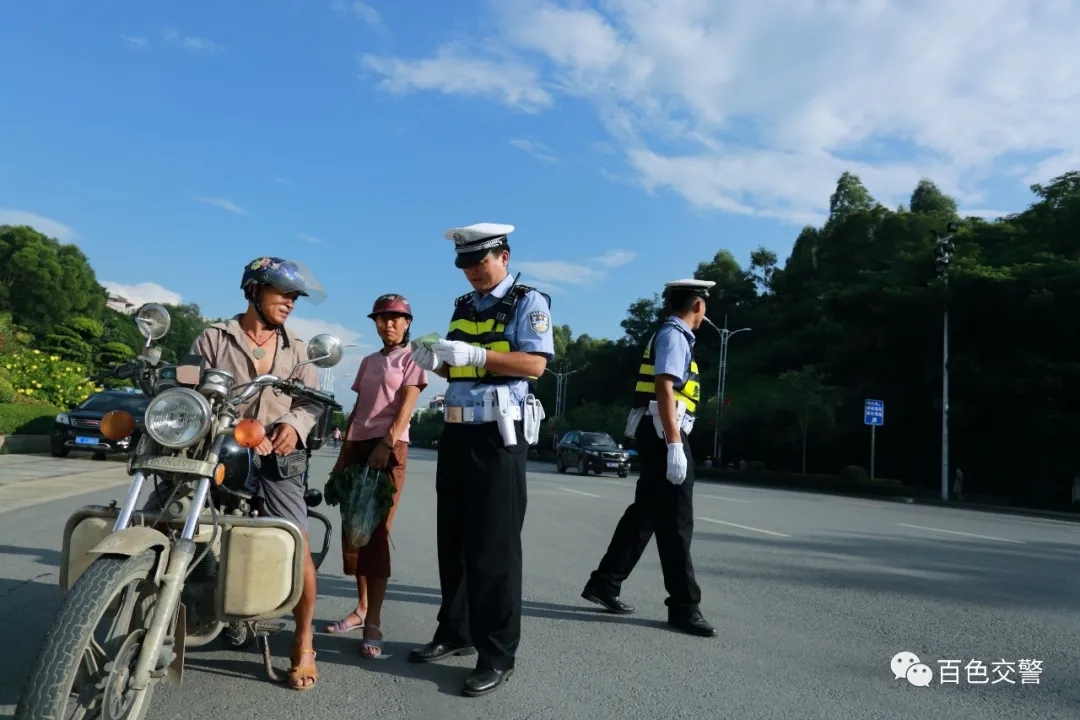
856 312
55 326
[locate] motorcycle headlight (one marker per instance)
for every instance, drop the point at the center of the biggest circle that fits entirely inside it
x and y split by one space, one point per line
178 418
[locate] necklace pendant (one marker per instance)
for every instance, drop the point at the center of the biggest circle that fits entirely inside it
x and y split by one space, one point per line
259 353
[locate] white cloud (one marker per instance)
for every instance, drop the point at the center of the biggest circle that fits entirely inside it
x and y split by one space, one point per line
310 238
540 151
142 293
191 43
362 11
223 204
282 181
44 225
456 71
757 108
550 275
136 42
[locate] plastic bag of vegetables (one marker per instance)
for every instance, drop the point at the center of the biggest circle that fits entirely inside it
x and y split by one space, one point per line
366 496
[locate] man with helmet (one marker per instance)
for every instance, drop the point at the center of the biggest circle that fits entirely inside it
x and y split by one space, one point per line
499 343
254 343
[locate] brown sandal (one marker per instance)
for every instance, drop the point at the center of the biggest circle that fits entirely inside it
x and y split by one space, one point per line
302 674
343 625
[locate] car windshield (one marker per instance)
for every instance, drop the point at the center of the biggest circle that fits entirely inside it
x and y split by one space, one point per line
598 440
104 402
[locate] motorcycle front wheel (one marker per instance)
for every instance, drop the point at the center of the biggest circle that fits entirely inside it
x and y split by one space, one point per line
81 672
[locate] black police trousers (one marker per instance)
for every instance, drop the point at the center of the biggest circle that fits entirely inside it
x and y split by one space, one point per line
481 497
659 508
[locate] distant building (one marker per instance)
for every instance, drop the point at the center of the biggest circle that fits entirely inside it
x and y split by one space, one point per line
121 304
437 403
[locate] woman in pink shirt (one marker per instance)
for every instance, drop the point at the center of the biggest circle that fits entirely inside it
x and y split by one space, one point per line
377 435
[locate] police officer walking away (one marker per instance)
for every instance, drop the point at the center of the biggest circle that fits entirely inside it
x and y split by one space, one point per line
500 338
665 400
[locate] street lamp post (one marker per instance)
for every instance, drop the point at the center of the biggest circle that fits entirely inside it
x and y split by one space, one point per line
721 385
943 258
560 398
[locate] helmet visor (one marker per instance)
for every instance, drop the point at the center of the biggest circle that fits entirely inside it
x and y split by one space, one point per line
293 276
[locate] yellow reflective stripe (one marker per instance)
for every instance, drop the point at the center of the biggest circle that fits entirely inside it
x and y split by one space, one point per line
647 370
480 327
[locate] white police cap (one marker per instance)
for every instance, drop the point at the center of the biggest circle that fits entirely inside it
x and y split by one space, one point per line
473 242
697 287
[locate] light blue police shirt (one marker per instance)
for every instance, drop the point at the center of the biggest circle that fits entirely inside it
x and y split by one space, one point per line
527 330
672 349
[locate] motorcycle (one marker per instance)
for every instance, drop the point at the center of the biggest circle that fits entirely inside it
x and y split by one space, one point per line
201 563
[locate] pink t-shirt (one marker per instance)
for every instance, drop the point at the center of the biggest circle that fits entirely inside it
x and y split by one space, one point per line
378 388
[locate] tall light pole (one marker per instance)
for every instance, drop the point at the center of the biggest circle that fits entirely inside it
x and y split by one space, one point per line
560 397
721 384
943 256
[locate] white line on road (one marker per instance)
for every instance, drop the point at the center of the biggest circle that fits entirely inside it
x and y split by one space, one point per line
725 499
579 492
956 532
743 527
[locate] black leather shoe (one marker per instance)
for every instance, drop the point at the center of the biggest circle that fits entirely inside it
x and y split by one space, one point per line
608 602
437 651
694 624
482 682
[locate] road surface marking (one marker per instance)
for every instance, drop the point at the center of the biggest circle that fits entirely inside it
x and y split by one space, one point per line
579 492
861 503
725 499
743 527
955 532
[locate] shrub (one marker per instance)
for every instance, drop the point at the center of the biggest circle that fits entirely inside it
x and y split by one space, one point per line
18 419
47 378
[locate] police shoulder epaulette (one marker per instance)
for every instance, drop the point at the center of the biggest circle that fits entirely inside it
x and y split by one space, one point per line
463 298
523 290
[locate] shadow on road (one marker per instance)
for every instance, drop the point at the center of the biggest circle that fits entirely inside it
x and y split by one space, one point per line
995 574
31 604
586 612
43 556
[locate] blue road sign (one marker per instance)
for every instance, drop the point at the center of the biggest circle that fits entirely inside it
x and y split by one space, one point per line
874 412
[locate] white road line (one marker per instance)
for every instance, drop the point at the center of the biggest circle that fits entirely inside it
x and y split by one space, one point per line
743 527
579 492
725 499
955 532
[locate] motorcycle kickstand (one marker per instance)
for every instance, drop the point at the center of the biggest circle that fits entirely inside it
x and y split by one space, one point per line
262 638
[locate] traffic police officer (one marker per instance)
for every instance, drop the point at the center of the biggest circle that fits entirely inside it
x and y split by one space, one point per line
499 343
665 400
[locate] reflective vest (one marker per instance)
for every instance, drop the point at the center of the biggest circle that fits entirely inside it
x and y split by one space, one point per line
486 329
688 389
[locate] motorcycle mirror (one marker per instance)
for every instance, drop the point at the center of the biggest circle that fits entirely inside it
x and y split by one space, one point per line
153 321
325 350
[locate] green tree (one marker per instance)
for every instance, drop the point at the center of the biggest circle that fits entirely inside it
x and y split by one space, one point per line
44 282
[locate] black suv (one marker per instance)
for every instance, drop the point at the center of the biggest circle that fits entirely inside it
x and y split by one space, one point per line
77 429
595 451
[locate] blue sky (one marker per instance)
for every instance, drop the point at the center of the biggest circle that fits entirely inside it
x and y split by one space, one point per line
173 142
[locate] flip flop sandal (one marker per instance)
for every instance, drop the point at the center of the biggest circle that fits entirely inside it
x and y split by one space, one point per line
297 673
343 625
372 648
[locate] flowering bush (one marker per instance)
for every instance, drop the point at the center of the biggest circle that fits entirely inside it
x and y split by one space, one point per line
47 378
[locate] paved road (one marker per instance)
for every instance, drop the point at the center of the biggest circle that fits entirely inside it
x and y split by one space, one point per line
813 596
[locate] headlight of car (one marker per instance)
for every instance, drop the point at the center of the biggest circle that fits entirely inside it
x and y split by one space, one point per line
178 418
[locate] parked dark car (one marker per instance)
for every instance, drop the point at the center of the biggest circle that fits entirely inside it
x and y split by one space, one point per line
595 451
77 429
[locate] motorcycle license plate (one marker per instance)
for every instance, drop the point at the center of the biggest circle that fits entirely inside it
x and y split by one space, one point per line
83 440
613 464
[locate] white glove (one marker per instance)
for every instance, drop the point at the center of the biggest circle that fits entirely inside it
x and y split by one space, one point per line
458 354
676 463
425 358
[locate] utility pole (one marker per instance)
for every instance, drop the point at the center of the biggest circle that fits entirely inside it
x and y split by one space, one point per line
560 396
943 257
721 384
